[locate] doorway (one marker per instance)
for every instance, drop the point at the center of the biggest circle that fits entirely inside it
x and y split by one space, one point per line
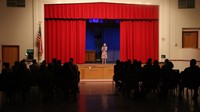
99 31
190 39
10 54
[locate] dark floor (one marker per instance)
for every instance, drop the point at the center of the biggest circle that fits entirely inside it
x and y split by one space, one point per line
101 97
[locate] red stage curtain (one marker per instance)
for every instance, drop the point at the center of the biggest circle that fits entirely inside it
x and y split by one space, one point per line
101 10
65 39
139 40
65 33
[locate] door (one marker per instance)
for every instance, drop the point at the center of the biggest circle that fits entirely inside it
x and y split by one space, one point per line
190 39
10 54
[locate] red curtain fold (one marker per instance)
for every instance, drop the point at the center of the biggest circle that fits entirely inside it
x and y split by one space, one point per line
101 10
138 40
65 39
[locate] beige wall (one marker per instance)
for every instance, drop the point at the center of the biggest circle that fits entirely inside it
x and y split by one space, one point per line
182 18
19 26
16 27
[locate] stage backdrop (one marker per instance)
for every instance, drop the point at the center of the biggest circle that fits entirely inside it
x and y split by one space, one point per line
100 33
65 29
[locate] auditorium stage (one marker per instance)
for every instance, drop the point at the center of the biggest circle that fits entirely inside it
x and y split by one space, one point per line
96 72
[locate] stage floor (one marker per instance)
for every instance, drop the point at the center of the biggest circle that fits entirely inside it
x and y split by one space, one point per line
96 72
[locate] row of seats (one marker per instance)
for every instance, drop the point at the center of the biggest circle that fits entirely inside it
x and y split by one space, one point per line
43 81
136 81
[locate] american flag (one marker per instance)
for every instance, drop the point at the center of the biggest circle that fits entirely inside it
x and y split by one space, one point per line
39 42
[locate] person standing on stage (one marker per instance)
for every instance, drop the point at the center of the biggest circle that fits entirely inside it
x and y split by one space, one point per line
104 56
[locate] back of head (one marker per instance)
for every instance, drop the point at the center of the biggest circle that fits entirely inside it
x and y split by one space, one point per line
6 65
117 62
71 60
170 65
193 62
167 61
149 61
